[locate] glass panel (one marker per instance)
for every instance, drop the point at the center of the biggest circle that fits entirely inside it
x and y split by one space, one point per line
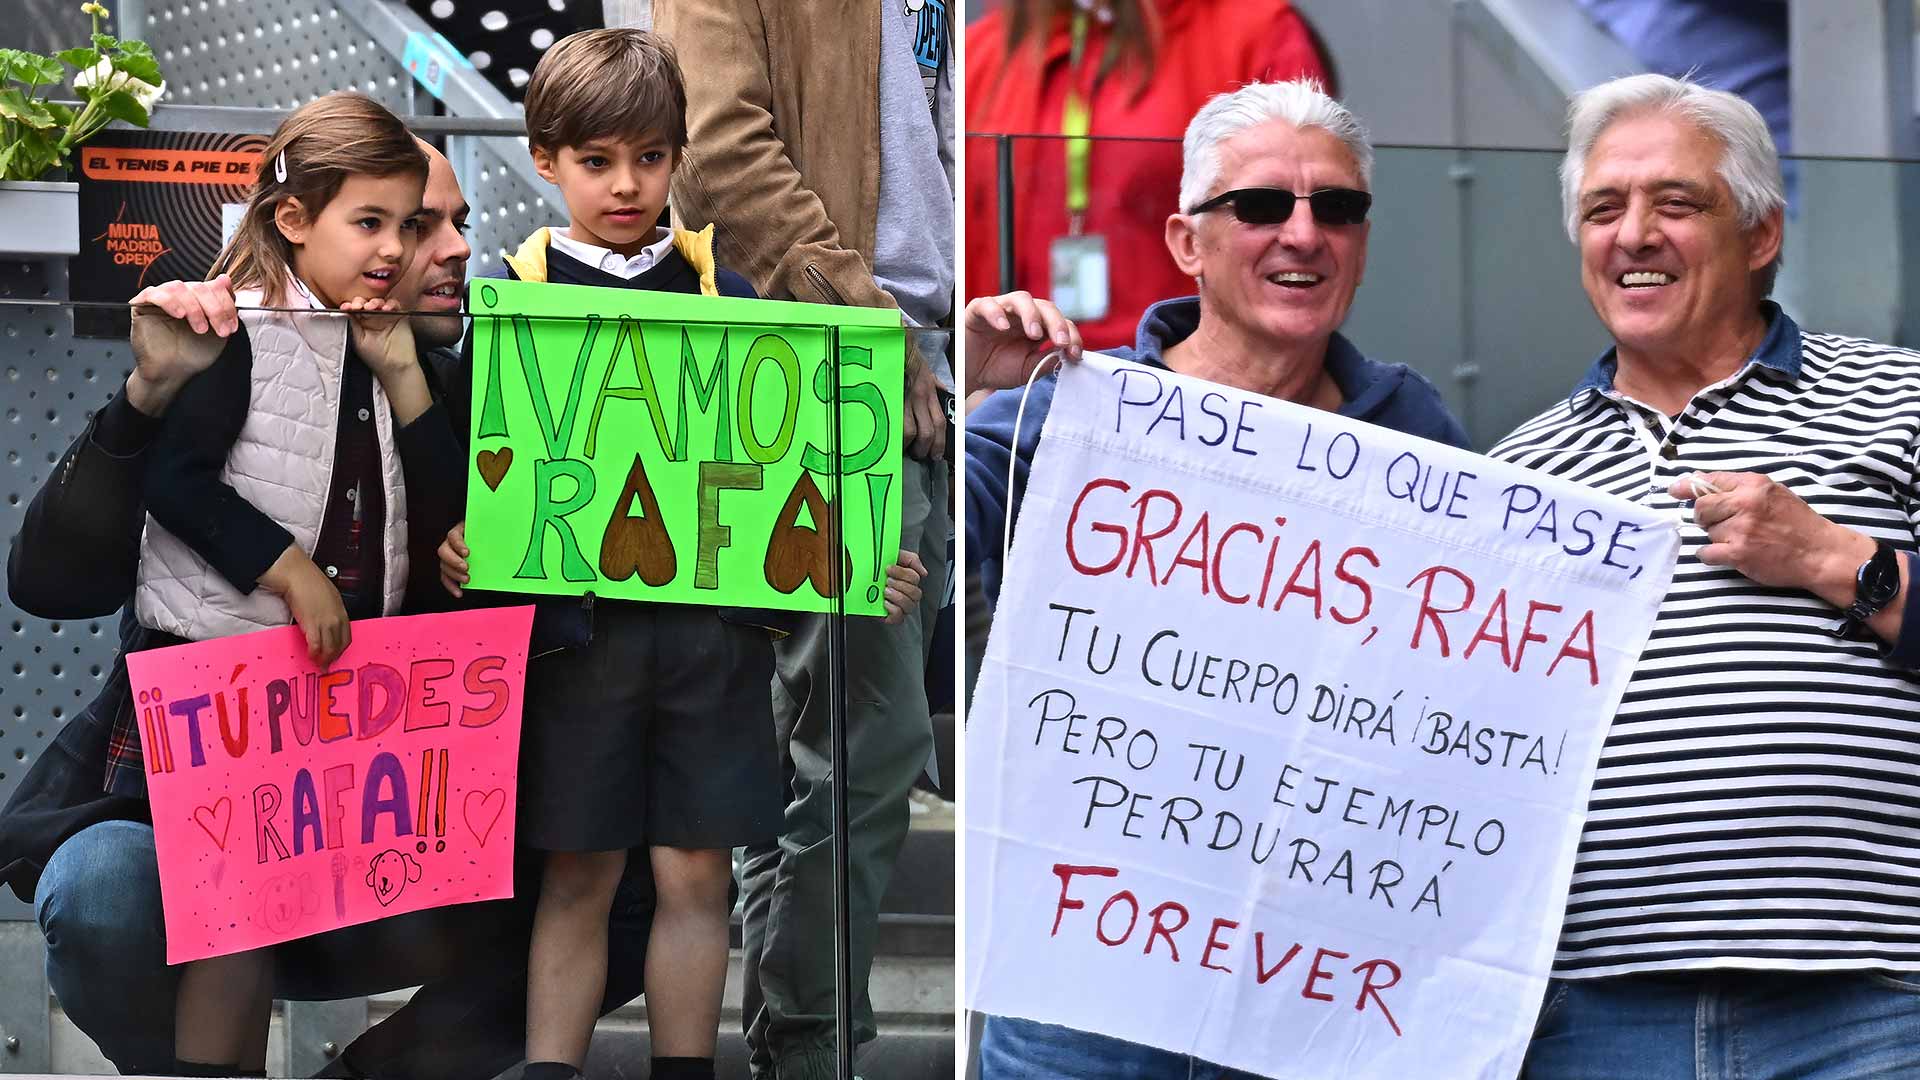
51 670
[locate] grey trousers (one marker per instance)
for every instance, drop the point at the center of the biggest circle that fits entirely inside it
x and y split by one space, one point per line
789 1004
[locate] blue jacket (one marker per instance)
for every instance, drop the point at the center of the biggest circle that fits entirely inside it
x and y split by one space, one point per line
1390 395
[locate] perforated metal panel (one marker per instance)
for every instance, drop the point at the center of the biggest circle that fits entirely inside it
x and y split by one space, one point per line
505 208
277 53
49 383
504 39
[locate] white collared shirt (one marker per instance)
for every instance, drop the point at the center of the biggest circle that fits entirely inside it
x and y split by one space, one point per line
612 261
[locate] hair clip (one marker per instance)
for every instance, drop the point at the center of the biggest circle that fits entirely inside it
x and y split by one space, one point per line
280 167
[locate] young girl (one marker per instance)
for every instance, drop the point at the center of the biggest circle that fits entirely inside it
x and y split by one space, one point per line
278 488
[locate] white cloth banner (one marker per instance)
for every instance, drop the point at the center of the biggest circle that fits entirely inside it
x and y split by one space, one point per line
1284 738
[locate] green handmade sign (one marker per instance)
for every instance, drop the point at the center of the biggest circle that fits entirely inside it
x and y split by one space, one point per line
653 446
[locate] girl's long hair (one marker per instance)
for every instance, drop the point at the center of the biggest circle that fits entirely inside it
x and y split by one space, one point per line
323 143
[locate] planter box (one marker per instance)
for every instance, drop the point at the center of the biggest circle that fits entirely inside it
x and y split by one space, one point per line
39 218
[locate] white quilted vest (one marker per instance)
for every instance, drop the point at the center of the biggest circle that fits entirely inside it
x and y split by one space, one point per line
282 463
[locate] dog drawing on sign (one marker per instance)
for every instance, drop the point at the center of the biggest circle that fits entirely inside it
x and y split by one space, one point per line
284 901
389 873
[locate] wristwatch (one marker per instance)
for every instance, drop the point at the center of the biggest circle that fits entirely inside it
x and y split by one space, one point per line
1875 586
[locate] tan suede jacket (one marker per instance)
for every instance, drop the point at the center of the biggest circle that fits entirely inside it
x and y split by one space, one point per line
783 155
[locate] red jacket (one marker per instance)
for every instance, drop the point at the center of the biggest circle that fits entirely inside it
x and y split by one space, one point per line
1205 47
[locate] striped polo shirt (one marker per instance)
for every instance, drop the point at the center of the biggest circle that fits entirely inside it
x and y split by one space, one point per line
1757 802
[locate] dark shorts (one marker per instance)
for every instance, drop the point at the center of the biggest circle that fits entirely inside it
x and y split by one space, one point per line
658 734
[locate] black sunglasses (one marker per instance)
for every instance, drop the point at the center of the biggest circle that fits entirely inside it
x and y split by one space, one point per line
1271 206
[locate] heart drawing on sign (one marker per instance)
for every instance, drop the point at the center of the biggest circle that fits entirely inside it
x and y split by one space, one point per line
494 465
215 819
639 544
482 811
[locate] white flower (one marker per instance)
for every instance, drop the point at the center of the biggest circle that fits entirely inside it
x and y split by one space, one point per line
143 91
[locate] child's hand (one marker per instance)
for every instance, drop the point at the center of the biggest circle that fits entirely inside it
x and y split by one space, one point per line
903 586
453 559
317 608
384 341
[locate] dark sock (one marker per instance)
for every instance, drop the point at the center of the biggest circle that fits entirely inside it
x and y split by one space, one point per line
183 1067
682 1068
549 1070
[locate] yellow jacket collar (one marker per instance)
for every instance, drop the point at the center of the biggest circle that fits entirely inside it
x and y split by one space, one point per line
530 262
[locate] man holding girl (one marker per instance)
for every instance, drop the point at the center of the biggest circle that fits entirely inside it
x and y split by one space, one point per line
254 526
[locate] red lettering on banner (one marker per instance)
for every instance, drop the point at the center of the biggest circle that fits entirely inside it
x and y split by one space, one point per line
1066 874
1110 528
1583 628
1320 981
1073 518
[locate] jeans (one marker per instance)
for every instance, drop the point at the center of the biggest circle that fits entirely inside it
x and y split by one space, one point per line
1024 1050
1729 1025
98 906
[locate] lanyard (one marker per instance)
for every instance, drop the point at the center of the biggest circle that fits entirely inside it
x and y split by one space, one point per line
1076 122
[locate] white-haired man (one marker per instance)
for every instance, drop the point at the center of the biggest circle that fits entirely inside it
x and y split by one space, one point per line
1272 226
1746 900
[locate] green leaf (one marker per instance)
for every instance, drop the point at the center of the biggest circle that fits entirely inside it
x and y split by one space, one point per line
29 67
42 69
38 165
16 106
121 105
144 68
105 42
83 59
6 163
34 153
63 115
45 146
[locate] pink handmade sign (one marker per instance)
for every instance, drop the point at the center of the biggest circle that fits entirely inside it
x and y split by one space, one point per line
290 801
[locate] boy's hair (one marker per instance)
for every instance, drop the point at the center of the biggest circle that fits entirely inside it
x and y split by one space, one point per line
614 83
323 143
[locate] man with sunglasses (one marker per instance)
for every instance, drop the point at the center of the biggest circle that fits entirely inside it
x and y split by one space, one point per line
1275 193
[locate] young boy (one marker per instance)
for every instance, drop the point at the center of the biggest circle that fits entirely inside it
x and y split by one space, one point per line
648 727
